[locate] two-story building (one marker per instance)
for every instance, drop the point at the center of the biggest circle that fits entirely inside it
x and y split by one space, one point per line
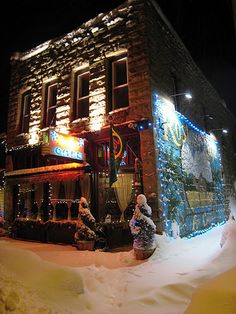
128 67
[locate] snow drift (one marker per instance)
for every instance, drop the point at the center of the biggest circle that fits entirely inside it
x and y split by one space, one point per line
102 282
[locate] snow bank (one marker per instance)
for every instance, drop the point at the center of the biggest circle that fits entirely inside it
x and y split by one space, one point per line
216 296
28 282
115 282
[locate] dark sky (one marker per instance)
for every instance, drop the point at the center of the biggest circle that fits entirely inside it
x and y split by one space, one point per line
206 28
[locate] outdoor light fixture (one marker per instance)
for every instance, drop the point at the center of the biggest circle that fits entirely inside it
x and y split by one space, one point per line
187 95
208 116
224 131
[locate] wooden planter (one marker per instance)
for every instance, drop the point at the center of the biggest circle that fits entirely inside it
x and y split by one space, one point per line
83 245
143 254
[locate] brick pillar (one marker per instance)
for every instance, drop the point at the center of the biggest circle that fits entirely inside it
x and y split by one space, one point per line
150 179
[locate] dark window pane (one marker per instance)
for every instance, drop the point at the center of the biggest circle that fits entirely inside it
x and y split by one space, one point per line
120 73
50 105
83 108
81 95
52 97
25 112
102 154
25 127
27 100
51 121
84 85
121 98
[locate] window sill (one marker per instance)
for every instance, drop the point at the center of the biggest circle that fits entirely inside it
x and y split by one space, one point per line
80 119
118 110
22 135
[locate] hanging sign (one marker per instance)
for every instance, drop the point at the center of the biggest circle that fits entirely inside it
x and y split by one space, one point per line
63 145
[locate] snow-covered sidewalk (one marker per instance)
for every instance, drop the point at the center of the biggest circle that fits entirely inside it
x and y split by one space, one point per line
47 278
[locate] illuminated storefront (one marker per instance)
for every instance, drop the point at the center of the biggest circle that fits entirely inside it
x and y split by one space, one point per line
51 191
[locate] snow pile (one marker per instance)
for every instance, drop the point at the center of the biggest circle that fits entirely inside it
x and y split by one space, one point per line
116 282
228 234
31 285
216 296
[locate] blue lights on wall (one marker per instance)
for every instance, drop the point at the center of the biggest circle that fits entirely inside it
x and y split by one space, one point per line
190 173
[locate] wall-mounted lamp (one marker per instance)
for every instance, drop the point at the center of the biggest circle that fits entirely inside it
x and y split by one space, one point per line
208 116
187 95
224 131
176 104
140 125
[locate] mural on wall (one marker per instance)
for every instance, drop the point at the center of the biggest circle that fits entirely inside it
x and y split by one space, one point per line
189 165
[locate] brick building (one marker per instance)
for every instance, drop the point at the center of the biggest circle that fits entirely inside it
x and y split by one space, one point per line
121 66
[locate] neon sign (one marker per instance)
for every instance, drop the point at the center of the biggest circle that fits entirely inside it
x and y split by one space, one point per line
63 145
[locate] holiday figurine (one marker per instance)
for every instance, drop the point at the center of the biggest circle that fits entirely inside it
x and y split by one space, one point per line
85 214
85 235
143 229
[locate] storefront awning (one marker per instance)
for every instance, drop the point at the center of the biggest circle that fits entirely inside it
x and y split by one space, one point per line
62 172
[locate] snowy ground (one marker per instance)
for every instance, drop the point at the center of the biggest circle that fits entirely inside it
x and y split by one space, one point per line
47 278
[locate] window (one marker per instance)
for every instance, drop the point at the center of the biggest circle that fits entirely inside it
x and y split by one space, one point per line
119 84
25 112
131 151
26 159
50 104
103 154
81 95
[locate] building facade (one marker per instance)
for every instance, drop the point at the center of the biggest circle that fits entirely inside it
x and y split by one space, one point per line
120 67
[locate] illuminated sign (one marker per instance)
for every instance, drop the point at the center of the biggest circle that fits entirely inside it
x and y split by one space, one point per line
63 145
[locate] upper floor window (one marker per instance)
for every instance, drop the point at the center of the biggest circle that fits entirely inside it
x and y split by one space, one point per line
50 104
25 112
81 95
119 84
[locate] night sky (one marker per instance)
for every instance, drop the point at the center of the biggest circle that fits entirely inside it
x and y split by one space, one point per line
205 27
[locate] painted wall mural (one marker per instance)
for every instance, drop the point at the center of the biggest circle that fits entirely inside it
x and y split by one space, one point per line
190 169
